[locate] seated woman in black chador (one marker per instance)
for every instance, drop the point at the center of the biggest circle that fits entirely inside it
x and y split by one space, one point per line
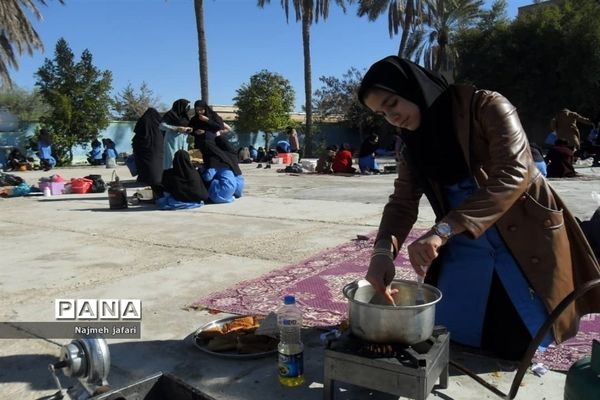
183 181
221 174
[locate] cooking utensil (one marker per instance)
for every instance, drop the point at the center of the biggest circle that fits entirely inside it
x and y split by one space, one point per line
420 295
373 319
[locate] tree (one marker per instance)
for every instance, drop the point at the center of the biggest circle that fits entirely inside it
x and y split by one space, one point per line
433 40
545 60
407 13
338 97
264 104
130 106
17 34
79 96
202 52
26 106
307 11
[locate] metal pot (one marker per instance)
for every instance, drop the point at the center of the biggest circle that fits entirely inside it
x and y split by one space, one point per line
373 319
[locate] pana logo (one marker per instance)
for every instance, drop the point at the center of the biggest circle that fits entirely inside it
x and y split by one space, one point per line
98 309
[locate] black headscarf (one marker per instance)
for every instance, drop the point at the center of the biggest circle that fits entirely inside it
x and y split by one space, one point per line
148 148
177 115
213 125
218 153
210 113
183 181
433 147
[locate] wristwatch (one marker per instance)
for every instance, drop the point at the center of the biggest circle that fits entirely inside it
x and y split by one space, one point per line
443 230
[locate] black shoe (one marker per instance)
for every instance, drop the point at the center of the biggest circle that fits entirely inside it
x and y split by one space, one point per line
259 166
267 166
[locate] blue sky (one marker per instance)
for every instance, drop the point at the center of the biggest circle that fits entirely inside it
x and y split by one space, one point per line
155 41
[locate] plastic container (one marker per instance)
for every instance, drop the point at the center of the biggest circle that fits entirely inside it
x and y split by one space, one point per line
81 185
54 188
290 348
583 378
286 158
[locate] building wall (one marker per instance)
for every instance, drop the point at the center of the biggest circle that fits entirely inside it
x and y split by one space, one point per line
122 133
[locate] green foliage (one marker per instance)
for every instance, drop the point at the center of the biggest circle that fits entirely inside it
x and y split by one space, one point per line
17 34
26 106
129 105
337 97
79 96
544 61
434 39
264 104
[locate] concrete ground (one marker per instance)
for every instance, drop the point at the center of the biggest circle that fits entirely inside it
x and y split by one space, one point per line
73 246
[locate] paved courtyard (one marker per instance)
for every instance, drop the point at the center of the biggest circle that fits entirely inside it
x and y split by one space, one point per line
73 246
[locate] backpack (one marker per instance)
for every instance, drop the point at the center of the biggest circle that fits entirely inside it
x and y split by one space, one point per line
98 185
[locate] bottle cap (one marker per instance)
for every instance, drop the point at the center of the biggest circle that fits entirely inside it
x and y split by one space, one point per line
289 300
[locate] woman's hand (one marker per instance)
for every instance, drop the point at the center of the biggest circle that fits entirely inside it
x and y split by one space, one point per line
184 129
424 250
380 275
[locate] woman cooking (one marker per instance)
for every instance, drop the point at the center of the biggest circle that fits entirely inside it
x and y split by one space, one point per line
505 250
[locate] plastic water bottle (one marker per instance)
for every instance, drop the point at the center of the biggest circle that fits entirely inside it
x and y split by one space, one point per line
47 192
290 348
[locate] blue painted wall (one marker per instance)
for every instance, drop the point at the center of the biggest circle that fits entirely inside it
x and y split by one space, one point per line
122 133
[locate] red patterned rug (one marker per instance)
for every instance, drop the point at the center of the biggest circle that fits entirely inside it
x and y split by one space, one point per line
317 284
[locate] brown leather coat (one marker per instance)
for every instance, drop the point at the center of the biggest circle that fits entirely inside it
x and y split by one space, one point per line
541 233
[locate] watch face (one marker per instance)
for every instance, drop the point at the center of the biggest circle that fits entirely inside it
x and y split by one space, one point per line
444 229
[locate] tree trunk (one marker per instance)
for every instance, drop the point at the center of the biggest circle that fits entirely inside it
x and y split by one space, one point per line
308 140
408 19
202 53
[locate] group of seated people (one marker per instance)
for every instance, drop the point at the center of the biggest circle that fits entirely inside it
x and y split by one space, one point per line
336 160
559 161
16 160
163 162
103 153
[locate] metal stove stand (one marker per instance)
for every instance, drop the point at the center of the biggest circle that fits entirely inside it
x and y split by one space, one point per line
411 372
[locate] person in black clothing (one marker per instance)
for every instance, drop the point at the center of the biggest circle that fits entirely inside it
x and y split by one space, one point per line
183 181
560 160
222 174
148 148
206 121
366 155
15 159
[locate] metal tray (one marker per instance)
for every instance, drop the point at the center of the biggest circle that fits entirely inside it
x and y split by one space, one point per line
199 343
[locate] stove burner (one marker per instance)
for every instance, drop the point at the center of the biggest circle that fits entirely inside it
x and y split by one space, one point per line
409 371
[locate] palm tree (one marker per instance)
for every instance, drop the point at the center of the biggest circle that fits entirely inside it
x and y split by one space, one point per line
17 34
307 11
202 54
442 20
407 13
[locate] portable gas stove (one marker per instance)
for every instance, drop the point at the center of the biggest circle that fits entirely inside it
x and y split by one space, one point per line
408 371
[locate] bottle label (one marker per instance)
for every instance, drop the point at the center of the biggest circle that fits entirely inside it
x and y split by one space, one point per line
291 365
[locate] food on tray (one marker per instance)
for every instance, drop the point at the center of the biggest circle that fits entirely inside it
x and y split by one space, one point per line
247 324
237 335
223 343
249 344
